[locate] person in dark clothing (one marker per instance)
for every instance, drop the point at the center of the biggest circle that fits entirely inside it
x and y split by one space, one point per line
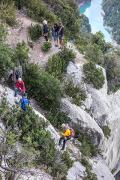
45 30
55 31
61 34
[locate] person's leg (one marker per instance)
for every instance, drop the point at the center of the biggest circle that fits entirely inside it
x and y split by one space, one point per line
64 142
60 140
16 92
46 38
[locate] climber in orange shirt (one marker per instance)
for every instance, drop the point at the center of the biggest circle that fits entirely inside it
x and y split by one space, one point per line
66 135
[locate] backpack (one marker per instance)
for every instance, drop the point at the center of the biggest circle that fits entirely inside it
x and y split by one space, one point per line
24 104
72 132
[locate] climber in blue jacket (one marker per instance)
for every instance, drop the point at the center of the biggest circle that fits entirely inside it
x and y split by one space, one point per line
24 102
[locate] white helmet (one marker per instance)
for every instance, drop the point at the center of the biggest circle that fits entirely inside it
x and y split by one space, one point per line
44 22
19 79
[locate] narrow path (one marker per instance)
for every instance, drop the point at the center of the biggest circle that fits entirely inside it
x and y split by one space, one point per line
20 33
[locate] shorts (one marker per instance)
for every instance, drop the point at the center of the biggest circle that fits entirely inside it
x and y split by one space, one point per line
61 37
55 36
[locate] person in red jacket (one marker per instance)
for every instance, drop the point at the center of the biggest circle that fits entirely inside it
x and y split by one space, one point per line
19 87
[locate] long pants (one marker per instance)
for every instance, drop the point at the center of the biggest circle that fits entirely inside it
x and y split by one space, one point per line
64 139
17 91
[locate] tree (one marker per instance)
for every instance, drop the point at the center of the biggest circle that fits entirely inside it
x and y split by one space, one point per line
43 87
6 59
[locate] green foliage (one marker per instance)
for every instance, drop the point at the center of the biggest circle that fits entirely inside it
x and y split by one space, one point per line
43 87
99 40
76 93
112 17
21 53
87 148
51 10
3 32
35 32
57 65
37 145
69 16
31 130
57 118
11 138
67 160
94 53
59 170
7 12
46 46
6 59
38 10
82 41
112 67
93 75
90 174
84 24
106 131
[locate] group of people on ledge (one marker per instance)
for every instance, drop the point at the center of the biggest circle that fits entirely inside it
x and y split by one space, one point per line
57 33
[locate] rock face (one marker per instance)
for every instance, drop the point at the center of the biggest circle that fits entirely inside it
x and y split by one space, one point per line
104 109
36 175
101 169
77 114
76 172
82 118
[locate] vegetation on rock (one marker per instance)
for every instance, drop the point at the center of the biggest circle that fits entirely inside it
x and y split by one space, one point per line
58 63
46 46
106 131
35 32
76 93
8 12
112 17
43 87
94 75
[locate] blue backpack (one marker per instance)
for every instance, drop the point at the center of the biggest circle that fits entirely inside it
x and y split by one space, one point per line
24 103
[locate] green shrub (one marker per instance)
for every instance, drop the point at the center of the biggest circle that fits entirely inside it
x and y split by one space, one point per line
3 32
11 138
35 32
82 41
59 170
46 46
112 67
94 75
43 87
38 10
21 53
106 131
87 148
60 167
99 40
57 65
94 53
6 59
76 93
57 118
90 174
67 160
31 132
8 12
